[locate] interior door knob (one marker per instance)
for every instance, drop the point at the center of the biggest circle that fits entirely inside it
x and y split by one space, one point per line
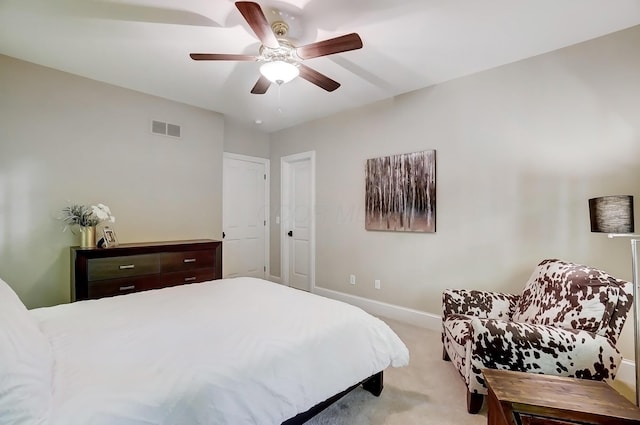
290 233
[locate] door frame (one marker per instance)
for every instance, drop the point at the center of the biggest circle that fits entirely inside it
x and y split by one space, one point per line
266 163
285 176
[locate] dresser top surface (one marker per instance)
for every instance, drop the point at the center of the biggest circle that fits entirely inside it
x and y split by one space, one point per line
555 392
160 246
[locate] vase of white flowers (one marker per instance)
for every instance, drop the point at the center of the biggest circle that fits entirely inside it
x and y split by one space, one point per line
88 236
86 219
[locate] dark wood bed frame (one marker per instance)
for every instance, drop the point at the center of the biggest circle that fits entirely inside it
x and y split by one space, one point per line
373 384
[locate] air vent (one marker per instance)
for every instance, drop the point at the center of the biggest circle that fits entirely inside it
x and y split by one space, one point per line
173 130
165 129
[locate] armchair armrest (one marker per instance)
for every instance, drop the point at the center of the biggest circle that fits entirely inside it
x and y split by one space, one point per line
499 344
481 304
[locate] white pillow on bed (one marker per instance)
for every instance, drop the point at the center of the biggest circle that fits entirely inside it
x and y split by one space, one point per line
26 364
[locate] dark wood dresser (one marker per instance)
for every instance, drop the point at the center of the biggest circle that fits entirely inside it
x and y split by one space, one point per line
126 268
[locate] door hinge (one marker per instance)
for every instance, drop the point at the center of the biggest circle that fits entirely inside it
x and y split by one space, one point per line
265 222
265 176
265 269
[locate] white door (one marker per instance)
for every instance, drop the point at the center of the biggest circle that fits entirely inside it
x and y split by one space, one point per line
245 208
298 220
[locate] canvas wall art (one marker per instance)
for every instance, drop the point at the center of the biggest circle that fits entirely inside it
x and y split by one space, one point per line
401 192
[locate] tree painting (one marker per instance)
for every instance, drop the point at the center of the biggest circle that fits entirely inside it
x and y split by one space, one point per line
401 192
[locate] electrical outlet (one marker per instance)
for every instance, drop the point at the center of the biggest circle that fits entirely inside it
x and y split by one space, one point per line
376 283
352 279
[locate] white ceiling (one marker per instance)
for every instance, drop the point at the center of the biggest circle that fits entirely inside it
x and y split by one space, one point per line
408 44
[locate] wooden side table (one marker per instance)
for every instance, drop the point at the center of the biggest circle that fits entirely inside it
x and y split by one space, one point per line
518 398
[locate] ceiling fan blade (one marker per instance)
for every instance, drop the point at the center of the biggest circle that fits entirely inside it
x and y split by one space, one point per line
318 79
254 16
262 85
343 43
221 57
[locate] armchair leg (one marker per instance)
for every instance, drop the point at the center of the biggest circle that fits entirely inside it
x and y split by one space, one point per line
474 402
445 355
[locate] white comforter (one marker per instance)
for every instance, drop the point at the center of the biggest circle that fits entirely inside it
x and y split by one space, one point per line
233 351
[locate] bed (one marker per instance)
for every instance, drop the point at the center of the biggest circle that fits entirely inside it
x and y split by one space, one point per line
231 351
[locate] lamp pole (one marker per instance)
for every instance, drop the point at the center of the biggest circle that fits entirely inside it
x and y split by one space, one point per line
636 306
636 311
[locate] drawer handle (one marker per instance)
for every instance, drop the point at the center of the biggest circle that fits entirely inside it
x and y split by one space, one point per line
127 288
189 279
128 266
189 260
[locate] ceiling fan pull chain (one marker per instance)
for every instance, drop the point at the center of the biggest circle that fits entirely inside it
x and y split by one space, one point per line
279 98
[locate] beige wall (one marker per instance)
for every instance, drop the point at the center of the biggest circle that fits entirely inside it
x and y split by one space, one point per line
65 138
245 141
520 150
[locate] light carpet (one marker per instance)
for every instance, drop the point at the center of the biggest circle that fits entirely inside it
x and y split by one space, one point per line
428 391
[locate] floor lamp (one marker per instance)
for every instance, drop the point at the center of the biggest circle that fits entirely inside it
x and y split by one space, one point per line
614 215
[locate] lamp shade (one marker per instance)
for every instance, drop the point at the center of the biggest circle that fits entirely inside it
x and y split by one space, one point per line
611 214
279 72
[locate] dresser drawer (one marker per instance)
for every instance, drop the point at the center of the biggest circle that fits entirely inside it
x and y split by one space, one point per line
127 285
187 260
539 420
117 267
187 276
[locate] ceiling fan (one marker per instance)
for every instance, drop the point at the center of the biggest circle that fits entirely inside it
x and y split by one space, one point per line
281 59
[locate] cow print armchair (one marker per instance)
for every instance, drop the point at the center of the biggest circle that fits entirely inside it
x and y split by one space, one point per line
566 322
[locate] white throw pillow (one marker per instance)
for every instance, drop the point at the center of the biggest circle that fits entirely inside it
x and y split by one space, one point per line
26 364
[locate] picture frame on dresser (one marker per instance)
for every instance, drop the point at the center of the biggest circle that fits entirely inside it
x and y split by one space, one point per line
110 238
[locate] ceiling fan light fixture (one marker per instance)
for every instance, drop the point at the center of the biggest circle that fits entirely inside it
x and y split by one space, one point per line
279 72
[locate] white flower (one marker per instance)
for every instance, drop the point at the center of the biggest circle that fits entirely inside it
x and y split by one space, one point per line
103 213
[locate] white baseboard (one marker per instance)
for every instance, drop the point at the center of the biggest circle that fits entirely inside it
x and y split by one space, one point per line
626 372
390 311
275 279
